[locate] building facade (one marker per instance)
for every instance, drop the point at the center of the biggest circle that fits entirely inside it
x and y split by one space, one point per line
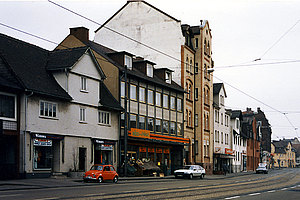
180 47
68 118
283 154
239 142
251 128
223 152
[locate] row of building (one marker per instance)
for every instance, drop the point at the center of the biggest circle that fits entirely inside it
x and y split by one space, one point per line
115 101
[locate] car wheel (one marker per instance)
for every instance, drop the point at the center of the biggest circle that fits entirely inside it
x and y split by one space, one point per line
191 176
100 179
115 180
201 176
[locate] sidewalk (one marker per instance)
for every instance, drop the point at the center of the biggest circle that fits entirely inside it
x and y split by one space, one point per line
39 183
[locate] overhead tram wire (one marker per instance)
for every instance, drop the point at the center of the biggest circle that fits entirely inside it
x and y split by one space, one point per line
139 43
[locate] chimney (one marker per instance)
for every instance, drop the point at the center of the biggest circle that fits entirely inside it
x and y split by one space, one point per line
248 109
258 109
80 33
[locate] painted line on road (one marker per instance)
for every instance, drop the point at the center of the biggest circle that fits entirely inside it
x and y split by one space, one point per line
50 198
284 189
293 187
271 191
253 194
9 195
235 197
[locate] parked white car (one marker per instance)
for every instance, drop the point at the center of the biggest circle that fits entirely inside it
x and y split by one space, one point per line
190 171
262 168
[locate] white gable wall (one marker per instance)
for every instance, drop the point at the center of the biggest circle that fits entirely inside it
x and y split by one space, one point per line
143 23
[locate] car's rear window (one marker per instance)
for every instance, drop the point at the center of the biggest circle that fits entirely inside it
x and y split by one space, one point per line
97 168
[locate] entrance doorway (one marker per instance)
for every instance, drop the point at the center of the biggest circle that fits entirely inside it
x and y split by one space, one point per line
82 159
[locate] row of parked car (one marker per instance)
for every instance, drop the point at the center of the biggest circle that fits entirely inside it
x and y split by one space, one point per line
101 173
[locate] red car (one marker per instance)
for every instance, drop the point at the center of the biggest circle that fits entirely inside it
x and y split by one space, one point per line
101 173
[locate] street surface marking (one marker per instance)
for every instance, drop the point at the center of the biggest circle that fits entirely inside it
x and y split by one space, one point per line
50 198
9 195
253 194
272 191
284 188
293 187
235 197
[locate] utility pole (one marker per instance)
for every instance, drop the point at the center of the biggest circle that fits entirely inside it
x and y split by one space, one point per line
126 123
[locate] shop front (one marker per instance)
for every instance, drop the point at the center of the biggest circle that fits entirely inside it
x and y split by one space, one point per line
223 161
152 154
103 151
46 154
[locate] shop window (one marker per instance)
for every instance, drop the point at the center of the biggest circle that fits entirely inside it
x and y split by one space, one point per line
132 123
142 123
158 125
48 109
104 117
150 124
172 128
42 154
7 106
142 94
150 97
165 127
158 99
133 92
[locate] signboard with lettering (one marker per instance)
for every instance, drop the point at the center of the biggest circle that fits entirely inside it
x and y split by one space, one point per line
166 150
42 142
151 149
143 149
134 132
105 147
158 150
229 151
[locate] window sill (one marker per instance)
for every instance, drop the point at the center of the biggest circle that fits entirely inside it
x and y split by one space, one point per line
84 91
108 125
45 117
82 122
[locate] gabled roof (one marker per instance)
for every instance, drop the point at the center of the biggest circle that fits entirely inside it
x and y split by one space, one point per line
67 58
8 79
28 62
217 88
236 114
140 1
107 100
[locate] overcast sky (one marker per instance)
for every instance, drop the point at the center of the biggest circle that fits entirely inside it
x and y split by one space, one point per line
242 31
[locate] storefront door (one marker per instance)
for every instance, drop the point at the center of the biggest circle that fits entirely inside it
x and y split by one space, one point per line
82 159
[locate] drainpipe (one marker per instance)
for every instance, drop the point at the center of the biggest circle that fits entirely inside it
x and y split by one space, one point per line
25 121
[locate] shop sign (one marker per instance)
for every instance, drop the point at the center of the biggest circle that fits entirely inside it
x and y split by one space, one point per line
42 142
166 150
143 149
106 147
51 137
158 150
40 136
140 133
229 151
151 149
217 149
99 141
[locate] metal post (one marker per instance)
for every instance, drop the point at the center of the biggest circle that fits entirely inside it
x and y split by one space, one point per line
126 122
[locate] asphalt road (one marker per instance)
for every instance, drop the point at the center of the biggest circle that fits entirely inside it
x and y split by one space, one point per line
278 184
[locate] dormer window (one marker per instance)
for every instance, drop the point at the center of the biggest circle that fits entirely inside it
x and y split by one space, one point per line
149 70
128 62
168 77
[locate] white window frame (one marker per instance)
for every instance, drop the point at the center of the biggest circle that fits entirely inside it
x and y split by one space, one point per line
149 70
128 62
158 101
150 94
82 114
83 84
166 101
168 77
48 103
104 117
135 93
15 110
142 94
122 93
172 104
179 105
